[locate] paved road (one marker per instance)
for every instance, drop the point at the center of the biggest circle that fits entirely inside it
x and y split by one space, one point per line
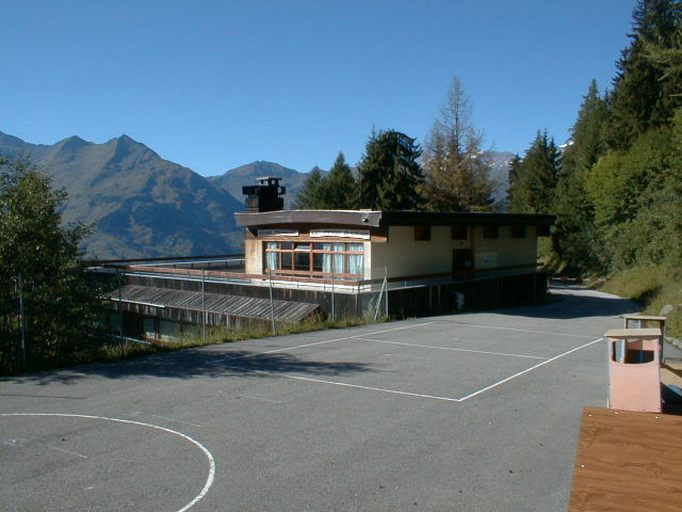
472 412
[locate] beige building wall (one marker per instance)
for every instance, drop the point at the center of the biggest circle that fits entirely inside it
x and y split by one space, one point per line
253 254
404 256
504 251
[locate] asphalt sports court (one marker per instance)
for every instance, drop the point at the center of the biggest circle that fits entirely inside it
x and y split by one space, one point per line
439 359
117 436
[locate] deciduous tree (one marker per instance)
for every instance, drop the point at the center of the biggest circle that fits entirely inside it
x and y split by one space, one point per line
456 168
44 291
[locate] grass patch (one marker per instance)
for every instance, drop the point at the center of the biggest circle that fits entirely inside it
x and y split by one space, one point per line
260 330
654 287
105 350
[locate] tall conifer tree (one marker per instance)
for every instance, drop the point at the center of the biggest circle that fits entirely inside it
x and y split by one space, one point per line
340 189
574 232
643 97
311 195
536 177
390 177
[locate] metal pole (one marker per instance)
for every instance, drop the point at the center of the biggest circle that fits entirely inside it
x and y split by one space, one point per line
203 304
384 285
333 296
22 326
120 305
272 305
386 280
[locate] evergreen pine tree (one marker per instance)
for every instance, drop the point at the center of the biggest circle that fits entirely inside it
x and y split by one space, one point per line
311 195
643 97
340 189
512 180
574 235
536 177
390 177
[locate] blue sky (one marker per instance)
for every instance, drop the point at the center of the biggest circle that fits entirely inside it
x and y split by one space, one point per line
217 84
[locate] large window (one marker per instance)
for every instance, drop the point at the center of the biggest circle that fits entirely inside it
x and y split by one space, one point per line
315 258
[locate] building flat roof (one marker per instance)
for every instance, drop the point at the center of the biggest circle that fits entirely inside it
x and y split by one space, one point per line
377 218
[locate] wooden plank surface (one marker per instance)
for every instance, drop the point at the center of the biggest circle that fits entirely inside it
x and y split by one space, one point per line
633 333
627 462
644 317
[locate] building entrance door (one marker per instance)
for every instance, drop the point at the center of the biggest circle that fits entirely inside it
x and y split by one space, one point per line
462 261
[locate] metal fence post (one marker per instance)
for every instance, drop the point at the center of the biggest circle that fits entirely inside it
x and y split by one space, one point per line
203 304
386 280
120 305
272 305
333 296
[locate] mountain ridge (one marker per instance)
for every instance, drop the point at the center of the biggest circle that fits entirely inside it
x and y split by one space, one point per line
142 205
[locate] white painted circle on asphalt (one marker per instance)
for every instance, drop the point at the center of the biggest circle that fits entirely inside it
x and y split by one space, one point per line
211 462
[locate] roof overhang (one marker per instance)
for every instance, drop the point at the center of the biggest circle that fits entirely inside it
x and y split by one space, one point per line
287 218
374 218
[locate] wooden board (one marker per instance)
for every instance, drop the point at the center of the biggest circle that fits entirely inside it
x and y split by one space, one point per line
644 317
633 333
627 462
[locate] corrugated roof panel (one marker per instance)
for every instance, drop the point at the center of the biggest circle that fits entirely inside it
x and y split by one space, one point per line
232 305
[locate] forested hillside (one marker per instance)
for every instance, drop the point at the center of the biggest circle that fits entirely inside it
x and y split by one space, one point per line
617 188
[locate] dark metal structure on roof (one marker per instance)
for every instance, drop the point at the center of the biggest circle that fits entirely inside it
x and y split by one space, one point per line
266 196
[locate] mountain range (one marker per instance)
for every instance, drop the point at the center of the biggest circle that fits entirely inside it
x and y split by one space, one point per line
142 205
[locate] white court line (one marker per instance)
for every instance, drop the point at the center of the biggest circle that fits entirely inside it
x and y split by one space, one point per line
480 326
451 348
211 462
421 395
356 386
65 451
336 339
518 374
297 346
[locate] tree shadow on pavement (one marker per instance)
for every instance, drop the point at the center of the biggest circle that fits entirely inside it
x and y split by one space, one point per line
566 302
197 363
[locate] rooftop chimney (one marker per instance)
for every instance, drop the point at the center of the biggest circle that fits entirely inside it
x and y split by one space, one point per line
264 197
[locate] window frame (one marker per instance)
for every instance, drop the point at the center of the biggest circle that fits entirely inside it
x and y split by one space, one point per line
422 233
311 248
491 232
456 232
518 231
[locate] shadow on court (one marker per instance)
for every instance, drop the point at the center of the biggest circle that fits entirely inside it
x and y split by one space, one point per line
562 306
193 363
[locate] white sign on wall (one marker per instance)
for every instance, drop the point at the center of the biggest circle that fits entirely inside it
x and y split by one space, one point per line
277 232
340 233
486 260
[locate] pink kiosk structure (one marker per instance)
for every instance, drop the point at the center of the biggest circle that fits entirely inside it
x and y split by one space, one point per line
635 369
